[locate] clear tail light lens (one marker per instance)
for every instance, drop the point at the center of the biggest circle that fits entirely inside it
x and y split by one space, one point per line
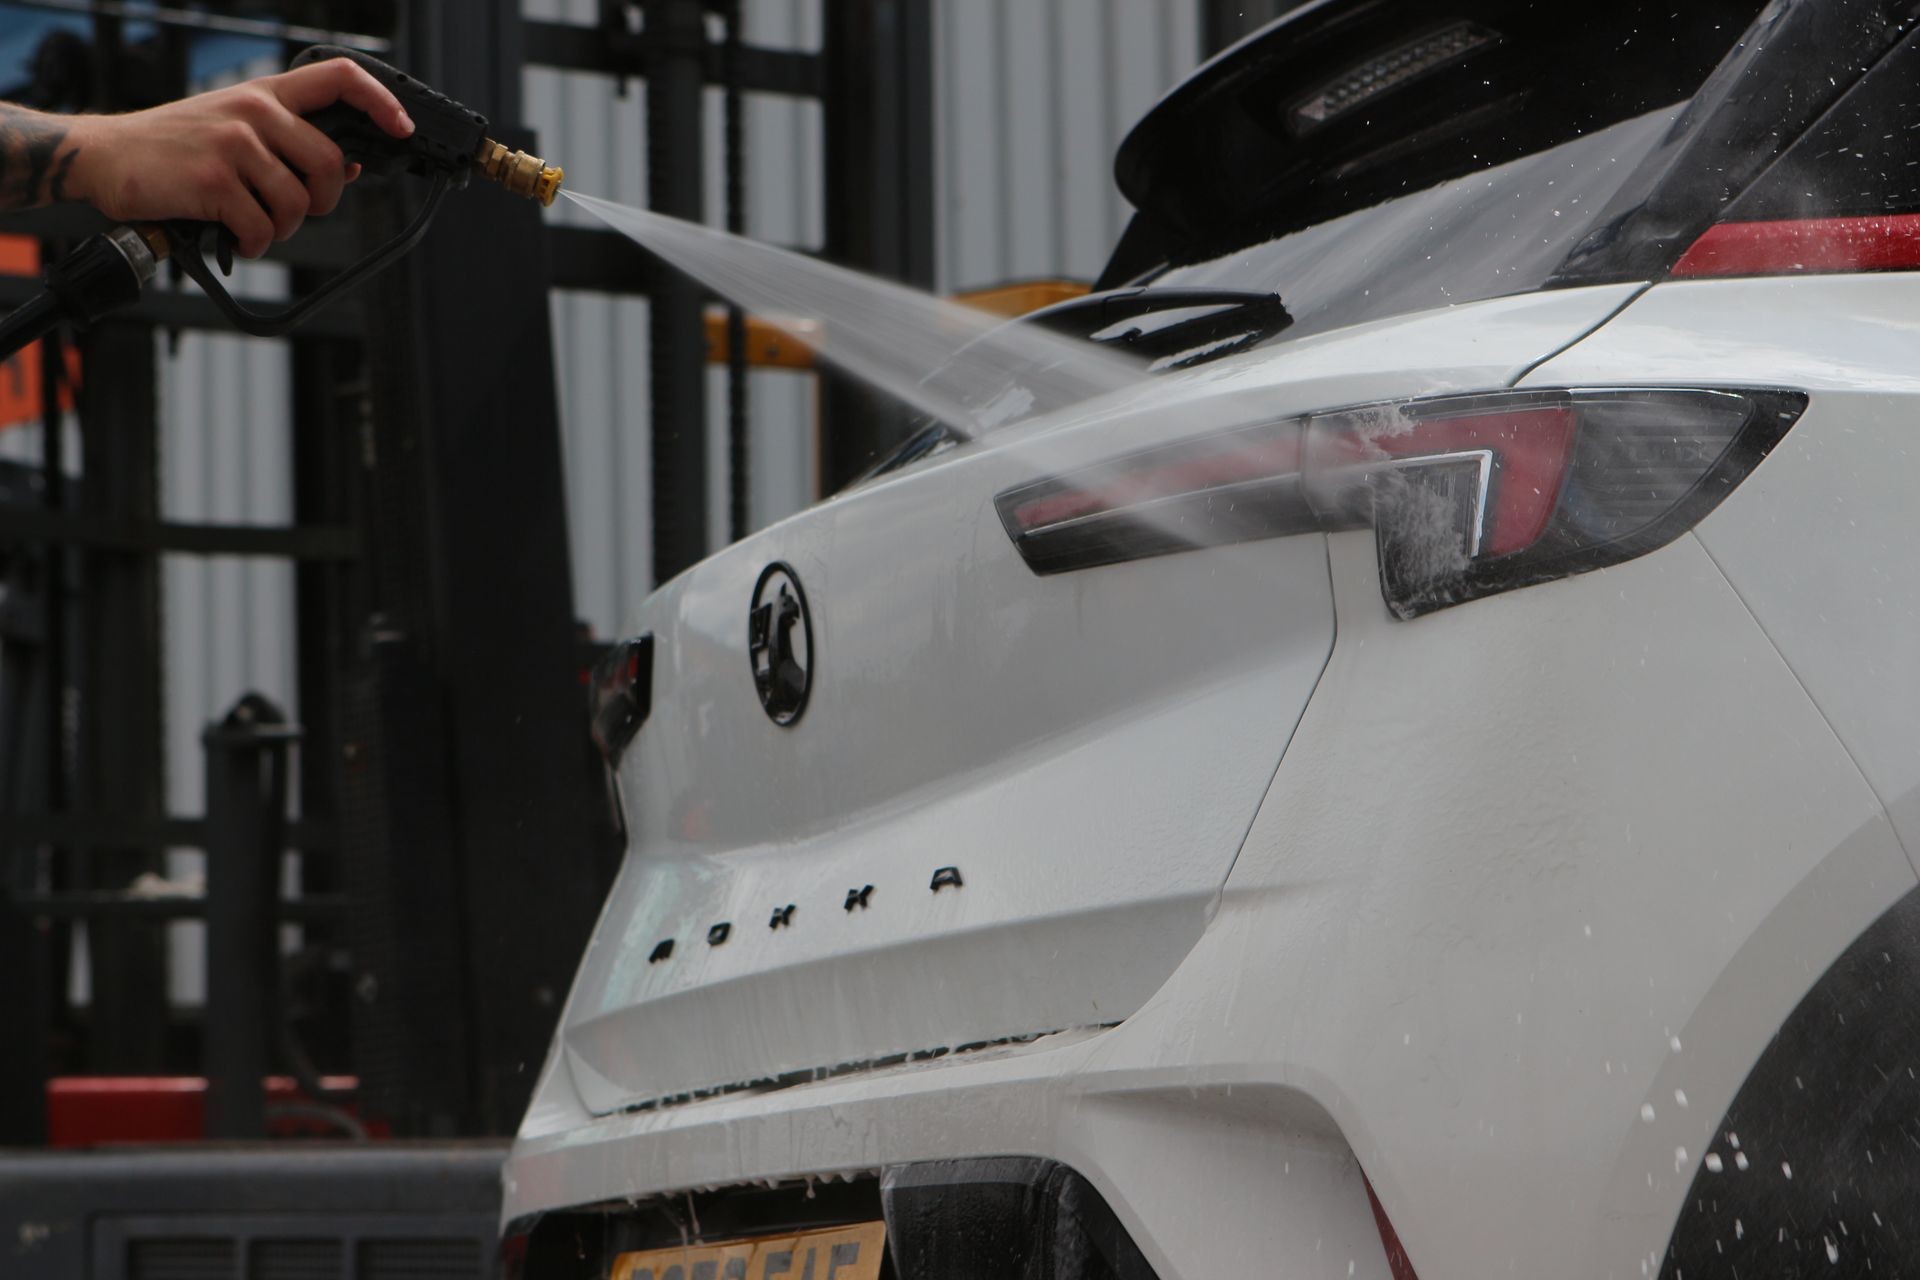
1469 496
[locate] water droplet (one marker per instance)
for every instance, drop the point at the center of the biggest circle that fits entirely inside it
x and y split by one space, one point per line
1673 1043
1646 1112
1740 1161
1680 1096
1739 1229
1713 1162
1833 1250
1787 1169
1679 1159
1733 1140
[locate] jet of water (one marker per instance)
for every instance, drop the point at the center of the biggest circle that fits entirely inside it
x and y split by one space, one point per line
969 369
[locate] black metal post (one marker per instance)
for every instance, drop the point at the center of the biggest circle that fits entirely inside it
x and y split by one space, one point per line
880 177
465 780
330 599
739 489
23 1058
24 699
676 44
246 836
120 750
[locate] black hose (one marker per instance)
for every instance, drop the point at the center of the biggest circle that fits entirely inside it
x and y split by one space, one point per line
28 323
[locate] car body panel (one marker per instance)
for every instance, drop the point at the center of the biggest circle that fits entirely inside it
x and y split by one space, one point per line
1559 894
1820 540
956 721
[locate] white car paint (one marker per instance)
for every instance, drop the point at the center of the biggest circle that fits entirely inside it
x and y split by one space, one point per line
1819 542
1536 881
1087 749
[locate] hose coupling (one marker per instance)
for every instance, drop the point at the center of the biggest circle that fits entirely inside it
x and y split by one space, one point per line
518 172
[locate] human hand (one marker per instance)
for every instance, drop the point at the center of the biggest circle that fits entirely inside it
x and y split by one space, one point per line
239 156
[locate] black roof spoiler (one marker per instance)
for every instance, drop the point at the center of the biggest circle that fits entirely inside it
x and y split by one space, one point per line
1223 159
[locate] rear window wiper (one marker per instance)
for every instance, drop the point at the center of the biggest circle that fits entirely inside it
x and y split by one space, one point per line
1233 320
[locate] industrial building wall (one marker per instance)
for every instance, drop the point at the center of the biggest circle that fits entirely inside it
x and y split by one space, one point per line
1031 97
1034 95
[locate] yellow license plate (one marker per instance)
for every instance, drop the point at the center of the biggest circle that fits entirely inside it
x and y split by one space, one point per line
832 1253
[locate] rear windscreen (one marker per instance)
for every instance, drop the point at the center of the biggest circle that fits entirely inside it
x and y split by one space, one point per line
1369 159
1504 230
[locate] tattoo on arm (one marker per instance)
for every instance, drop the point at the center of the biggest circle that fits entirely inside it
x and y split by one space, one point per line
32 170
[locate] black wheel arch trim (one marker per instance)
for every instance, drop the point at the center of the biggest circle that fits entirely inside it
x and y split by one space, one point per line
1815 1167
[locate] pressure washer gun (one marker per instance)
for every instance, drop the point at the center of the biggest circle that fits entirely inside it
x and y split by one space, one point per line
449 144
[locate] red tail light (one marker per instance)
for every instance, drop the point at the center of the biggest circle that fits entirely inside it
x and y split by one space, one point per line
1469 495
621 695
513 1257
1397 1264
1889 242
1527 447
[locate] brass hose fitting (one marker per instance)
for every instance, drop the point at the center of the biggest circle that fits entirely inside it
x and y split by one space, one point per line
156 237
518 172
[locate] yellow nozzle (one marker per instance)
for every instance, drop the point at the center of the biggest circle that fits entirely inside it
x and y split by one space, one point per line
518 172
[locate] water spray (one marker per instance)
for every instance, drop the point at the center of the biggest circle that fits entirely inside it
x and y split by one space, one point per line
970 370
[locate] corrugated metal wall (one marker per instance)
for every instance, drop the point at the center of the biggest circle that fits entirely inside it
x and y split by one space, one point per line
600 342
1031 98
1034 95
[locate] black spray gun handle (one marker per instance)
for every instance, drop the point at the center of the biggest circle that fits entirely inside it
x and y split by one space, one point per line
446 137
448 144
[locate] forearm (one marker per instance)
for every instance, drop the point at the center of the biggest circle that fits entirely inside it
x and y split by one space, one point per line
37 152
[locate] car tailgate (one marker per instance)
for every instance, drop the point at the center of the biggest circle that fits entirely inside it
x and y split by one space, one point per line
1009 801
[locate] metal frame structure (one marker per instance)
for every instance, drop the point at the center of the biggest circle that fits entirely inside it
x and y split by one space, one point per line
873 76
456 835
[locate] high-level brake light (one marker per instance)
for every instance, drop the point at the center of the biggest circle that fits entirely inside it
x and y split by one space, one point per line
1469 495
1362 84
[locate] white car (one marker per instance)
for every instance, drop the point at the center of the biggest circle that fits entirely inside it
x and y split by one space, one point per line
1426 789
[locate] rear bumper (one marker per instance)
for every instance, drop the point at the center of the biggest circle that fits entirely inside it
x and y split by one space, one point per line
1192 1162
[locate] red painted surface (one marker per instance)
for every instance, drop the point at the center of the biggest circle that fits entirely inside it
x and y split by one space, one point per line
85 1111
1390 1239
20 398
1885 243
